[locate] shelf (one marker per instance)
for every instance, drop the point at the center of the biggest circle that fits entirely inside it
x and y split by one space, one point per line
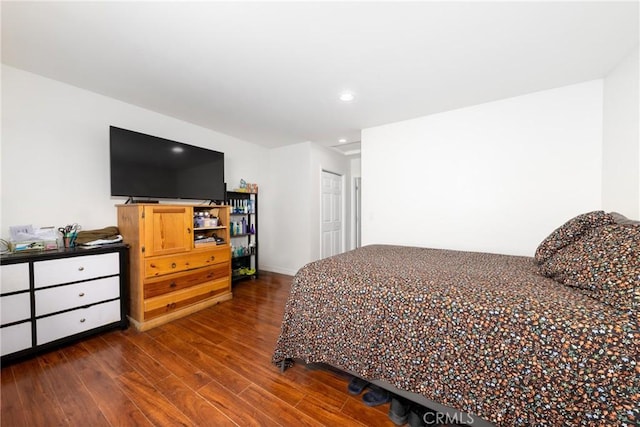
242 235
242 256
219 227
240 214
198 244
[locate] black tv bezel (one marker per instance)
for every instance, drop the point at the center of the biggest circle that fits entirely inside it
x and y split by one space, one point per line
150 197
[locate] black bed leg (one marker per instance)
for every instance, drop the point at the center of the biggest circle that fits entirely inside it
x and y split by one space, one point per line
284 364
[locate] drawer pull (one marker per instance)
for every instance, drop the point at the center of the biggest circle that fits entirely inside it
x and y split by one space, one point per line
80 268
171 306
152 265
83 320
213 257
81 294
172 285
173 265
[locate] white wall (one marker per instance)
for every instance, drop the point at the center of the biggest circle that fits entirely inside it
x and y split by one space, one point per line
55 151
293 220
285 221
496 177
621 140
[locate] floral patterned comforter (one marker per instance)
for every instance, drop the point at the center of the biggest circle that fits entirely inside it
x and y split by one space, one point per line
482 333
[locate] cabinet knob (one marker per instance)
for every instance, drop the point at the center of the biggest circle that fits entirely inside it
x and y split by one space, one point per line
172 285
83 320
80 268
152 265
213 257
173 265
81 294
188 231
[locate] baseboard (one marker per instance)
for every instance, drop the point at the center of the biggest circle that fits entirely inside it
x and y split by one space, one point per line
278 270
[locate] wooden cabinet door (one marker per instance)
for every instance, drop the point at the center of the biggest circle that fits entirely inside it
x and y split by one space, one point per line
168 229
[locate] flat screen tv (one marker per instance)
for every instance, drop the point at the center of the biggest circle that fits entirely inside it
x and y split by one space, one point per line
149 167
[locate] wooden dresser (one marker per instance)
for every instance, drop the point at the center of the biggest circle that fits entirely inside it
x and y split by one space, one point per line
175 268
55 297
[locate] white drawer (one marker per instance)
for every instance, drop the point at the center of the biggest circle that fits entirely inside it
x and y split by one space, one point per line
14 277
84 293
15 338
76 321
14 308
74 269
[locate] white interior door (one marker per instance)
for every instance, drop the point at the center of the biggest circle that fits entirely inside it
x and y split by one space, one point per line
331 214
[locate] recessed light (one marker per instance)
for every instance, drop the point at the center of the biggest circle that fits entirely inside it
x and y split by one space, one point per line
177 149
342 140
347 96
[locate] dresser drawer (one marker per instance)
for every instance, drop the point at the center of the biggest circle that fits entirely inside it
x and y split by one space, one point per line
61 298
14 277
175 263
156 287
74 269
14 308
164 304
15 338
73 322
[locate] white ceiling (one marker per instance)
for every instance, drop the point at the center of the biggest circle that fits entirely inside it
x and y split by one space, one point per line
270 73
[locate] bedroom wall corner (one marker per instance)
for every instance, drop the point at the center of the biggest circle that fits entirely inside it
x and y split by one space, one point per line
621 138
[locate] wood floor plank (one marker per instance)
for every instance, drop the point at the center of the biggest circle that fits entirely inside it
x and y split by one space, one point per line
199 410
258 369
270 404
142 362
216 369
116 363
373 417
151 402
326 414
77 404
37 395
237 409
111 400
178 366
13 412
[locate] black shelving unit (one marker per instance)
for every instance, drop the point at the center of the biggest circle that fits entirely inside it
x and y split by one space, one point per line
244 240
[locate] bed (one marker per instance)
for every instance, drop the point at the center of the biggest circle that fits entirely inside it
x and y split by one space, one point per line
503 340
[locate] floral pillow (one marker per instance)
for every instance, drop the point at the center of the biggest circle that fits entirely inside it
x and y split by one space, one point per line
570 232
605 263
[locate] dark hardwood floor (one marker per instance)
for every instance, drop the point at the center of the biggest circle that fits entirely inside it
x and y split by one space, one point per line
212 368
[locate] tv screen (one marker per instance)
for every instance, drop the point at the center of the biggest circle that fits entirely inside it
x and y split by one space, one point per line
146 166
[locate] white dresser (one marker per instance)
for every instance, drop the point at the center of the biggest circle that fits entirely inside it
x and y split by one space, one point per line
51 298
